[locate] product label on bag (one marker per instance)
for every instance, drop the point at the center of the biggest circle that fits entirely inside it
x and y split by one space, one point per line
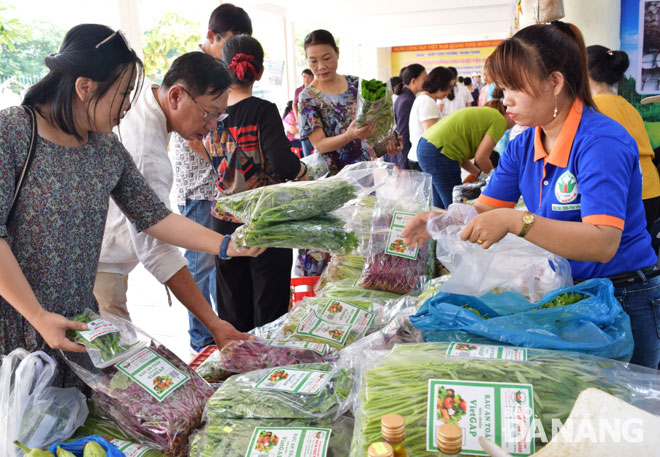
395 243
486 351
500 412
319 348
153 373
335 331
306 382
289 442
97 328
130 449
344 313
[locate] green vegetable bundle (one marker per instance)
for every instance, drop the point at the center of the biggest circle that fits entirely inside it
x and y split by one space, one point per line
375 105
232 437
288 201
326 234
339 268
348 291
399 384
113 344
241 398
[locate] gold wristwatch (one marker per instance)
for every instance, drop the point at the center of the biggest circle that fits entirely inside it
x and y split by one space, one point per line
528 220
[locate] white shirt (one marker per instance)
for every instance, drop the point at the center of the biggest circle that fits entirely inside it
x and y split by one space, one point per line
462 98
144 134
424 108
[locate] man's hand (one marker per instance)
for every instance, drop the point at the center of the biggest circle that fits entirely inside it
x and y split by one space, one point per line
223 332
52 328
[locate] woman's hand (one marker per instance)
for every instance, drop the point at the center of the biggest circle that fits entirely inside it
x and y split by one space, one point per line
415 231
490 227
223 332
52 328
394 147
233 251
361 133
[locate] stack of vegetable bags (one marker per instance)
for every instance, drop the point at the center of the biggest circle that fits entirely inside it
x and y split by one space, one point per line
375 105
151 394
506 394
391 265
298 214
270 411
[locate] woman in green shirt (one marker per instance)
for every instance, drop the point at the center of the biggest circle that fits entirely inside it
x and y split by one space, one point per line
452 143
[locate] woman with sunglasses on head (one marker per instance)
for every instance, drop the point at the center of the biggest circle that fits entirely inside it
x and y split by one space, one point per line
606 68
578 173
250 150
51 235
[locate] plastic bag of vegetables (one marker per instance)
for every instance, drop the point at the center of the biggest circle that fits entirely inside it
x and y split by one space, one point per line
304 391
317 167
108 339
391 265
259 437
324 233
584 318
375 105
428 387
339 268
33 411
152 395
239 356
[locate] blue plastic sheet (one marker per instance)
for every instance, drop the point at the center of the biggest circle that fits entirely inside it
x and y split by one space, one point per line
77 447
596 325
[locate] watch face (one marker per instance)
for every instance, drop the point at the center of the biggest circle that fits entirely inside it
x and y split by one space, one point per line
528 218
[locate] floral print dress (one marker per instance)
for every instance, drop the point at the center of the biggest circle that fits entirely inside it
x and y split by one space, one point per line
333 113
57 227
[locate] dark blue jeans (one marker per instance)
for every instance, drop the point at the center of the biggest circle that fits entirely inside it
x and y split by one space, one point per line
446 173
642 303
202 269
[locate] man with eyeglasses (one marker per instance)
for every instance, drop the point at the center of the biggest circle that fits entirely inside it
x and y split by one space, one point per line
195 177
190 101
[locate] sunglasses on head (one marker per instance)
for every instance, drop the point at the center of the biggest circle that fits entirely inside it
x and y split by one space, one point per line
116 37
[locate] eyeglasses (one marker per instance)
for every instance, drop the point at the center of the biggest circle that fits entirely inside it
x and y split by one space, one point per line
118 35
208 116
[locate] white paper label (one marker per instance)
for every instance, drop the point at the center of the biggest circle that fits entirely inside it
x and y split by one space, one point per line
395 244
349 319
289 442
486 351
319 348
96 328
153 373
500 412
306 382
130 449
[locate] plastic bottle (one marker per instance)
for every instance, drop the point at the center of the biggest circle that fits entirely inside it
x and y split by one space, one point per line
449 440
380 449
393 431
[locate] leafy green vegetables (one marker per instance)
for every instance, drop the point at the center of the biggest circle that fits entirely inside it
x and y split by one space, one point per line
375 105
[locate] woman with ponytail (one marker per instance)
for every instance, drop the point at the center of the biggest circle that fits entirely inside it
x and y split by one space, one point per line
606 68
413 77
249 149
53 207
578 173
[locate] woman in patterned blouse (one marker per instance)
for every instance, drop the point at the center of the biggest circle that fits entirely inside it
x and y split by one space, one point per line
50 241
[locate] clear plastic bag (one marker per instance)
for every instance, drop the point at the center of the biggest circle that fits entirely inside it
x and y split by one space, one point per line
317 167
374 104
243 437
391 265
34 412
302 391
511 264
152 395
341 267
398 382
108 339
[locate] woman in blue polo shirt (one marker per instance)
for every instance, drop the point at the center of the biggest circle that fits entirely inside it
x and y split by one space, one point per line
578 173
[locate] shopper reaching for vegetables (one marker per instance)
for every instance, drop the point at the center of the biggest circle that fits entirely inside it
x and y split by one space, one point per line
585 194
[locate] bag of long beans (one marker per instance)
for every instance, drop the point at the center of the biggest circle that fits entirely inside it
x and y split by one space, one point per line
475 386
391 265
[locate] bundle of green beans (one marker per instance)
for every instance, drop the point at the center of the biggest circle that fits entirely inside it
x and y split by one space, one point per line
288 201
348 291
400 385
326 234
108 346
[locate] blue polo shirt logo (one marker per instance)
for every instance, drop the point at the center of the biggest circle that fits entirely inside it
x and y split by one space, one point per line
566 188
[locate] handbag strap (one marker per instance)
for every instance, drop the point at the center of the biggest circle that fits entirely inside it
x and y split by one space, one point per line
28 160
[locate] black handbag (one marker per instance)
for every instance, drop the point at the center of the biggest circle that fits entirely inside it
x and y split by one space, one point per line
28 161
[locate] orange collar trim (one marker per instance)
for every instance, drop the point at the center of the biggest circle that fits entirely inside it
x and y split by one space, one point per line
562 149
